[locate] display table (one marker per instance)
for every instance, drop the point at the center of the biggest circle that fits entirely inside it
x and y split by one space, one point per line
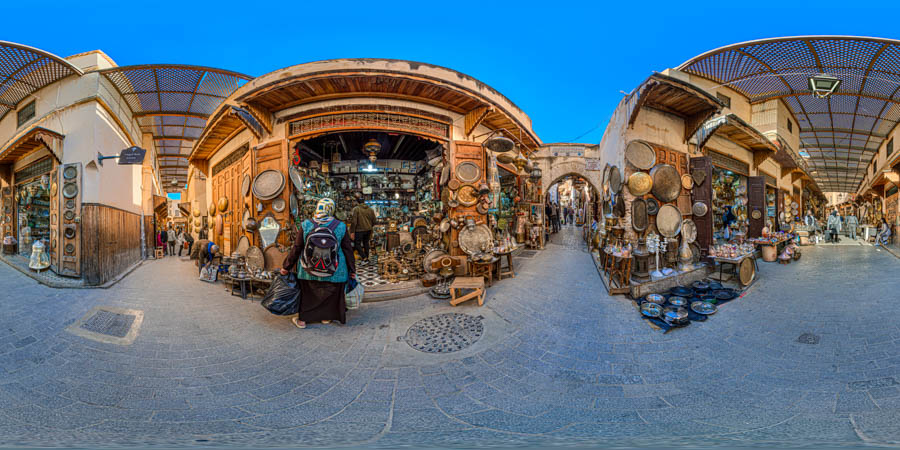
484 269
768 249
736 263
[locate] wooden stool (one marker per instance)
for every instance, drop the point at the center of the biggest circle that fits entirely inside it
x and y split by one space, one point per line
159 253
609 265
510 270
485 270
474 283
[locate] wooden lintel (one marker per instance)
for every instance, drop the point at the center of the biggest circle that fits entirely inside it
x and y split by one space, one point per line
893 177
796 175
475 117
202 165
642 98
262 115
785 171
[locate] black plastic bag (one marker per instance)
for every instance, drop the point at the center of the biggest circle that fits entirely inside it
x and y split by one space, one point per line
283 296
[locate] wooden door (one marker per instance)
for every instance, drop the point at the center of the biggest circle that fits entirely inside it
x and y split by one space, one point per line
703 193
756 205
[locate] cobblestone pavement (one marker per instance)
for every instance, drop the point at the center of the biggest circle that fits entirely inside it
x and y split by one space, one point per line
559 362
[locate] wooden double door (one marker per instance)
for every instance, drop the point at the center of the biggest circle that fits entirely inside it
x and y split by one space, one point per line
228 183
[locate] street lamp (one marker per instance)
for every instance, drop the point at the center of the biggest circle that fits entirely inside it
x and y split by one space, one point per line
823 85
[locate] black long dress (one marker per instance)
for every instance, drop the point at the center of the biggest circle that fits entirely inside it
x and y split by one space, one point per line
321 300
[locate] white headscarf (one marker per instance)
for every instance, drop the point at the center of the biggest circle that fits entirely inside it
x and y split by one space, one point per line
324 210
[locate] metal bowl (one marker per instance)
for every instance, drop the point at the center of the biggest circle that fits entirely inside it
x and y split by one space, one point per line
675 316
656 298
677 301
651 309
700 286
726 294
714 285
682 291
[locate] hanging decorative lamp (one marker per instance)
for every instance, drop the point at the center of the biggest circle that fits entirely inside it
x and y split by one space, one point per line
372 148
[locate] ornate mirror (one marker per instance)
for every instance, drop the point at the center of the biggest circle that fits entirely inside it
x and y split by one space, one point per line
268 231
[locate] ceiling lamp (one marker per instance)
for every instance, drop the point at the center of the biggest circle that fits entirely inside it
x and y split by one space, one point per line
499 144
823 85
372 148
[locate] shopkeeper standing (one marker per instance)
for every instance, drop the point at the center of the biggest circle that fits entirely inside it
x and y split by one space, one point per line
362 220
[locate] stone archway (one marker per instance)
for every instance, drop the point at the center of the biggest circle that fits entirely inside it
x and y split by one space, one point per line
555 169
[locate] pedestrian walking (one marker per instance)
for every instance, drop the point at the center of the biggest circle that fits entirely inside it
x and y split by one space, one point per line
322 257
362 221
556 218
852 222
171 236
833 225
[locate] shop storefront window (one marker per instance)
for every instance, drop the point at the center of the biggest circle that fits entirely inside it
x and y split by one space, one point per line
33 206
729 205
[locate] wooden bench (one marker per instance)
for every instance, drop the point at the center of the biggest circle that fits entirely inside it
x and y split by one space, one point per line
476 284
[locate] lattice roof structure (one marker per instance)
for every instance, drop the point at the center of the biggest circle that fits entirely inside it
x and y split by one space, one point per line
173 103
841 133
24 70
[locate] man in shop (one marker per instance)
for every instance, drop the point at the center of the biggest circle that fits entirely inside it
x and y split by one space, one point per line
362 221
851 222
206 251
164 240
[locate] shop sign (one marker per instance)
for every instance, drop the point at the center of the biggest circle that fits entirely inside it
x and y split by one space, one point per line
374 120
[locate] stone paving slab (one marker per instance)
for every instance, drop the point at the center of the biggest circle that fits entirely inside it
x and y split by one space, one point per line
560 362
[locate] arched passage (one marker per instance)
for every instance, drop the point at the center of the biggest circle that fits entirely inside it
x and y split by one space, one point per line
572 201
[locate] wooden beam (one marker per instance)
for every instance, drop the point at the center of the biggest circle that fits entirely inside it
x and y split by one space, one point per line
474 118
796 175
759 158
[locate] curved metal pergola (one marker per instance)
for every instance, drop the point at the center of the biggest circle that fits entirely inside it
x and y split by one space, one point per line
25 70
841 133
173 102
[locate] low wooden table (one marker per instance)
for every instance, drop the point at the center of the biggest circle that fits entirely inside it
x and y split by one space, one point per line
735 263
476 284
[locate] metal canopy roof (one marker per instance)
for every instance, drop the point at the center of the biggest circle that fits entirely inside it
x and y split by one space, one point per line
173 103
841 133
24 70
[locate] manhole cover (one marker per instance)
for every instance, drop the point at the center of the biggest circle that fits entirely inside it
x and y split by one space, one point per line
527 254
109 323
444 333
808 338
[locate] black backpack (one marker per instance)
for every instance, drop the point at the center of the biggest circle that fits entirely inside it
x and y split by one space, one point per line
320 251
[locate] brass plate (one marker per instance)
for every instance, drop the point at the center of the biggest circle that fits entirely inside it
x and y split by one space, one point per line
467 195
69 215
640 155
615 179
245 185
255 258
468 172
639 218
747 271
274 255
70 249
698 176
453 184
689 230
70 172
278 205
652 206
666 183
687 182
639 183
268 185
212 209
668 221
223 204
70 190
699 209
756 214
242 245
620 204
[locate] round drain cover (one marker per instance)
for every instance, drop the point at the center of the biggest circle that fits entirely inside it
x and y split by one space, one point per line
444 333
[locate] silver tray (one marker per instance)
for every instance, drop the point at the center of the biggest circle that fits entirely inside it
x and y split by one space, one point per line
472 240
268 185
704 308
651 309
677 301
656 298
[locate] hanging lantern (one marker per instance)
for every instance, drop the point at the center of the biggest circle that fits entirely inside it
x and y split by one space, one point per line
372 147
536 173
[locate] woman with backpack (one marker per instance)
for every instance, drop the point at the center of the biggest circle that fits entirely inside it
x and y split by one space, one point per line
324 251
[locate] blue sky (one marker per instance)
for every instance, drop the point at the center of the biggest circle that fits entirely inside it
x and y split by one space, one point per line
563 63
